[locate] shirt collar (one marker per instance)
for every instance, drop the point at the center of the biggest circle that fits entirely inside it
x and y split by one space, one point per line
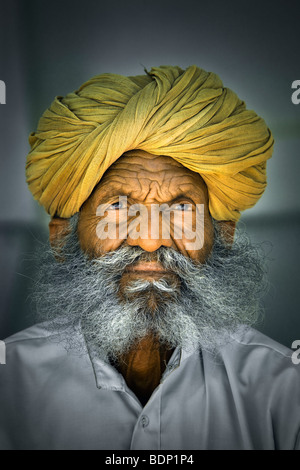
108 378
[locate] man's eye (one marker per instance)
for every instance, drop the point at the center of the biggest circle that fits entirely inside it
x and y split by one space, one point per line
116 206
183 207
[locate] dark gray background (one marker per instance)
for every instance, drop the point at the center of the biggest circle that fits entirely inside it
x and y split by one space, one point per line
50 48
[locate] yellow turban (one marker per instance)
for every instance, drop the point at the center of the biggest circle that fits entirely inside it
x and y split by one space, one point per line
184 114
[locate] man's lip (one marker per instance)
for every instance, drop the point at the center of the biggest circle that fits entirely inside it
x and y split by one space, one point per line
149 266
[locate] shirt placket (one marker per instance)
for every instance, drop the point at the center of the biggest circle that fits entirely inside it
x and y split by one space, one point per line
147 431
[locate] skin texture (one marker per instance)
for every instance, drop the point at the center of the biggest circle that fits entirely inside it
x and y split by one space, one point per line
145 179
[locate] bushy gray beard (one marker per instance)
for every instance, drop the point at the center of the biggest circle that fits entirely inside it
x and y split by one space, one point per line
210 302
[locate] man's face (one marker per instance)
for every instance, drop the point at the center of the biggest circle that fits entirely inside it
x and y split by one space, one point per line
147 180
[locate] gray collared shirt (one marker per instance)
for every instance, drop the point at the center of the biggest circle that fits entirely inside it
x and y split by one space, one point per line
248 397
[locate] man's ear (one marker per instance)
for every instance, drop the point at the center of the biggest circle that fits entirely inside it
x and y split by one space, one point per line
58 229
227 229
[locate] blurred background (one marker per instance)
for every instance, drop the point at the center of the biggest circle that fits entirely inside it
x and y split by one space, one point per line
50 48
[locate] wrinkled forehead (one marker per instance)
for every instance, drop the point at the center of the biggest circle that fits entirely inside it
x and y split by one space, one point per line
141 168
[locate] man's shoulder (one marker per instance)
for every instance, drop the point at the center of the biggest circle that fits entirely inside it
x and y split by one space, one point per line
251 338
34 332
253 354
37 343
39 348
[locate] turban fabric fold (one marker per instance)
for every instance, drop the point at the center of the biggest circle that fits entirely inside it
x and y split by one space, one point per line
184 114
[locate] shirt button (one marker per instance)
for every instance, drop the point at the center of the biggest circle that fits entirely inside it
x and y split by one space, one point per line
144 421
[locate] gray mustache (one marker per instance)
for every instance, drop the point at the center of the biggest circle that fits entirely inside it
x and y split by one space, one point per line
170 259
140 286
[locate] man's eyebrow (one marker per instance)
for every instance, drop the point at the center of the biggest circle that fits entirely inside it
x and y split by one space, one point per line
108 191
181 196
178 196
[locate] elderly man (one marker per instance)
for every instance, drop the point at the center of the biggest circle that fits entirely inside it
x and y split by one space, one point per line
148 297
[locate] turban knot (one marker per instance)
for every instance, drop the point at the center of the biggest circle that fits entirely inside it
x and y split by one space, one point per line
184 114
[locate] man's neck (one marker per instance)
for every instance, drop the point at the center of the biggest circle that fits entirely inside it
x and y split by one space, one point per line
143 366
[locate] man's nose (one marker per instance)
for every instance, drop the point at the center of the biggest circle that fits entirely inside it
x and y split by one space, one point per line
151 234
